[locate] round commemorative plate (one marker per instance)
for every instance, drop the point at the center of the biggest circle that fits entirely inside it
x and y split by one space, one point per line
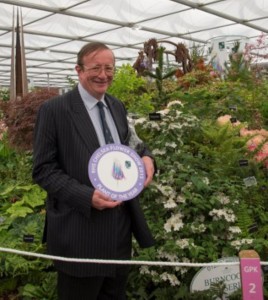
117 171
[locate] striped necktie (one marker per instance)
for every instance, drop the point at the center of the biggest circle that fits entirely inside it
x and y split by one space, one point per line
106 131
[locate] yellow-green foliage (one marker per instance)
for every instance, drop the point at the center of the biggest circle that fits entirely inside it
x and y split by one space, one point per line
131 90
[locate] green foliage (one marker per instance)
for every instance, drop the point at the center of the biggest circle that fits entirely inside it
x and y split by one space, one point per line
15 168
21 216
244 219
24 199
160 74
21 222
220 147
238 69
4 94
44 288
198 200
216 291
238 99
131 89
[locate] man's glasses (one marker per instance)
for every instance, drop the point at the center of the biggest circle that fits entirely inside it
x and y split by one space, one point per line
96 69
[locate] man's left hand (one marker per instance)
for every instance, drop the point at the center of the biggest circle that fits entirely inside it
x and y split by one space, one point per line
149 169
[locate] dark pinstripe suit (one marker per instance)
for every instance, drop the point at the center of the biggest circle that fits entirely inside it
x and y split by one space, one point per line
64 141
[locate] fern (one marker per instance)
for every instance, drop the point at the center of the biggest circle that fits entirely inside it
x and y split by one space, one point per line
244 220
221 148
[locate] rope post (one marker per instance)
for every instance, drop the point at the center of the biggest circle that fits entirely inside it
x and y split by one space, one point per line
251 275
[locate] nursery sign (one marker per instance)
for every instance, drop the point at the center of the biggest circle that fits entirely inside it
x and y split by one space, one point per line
208 275
251 275
154 116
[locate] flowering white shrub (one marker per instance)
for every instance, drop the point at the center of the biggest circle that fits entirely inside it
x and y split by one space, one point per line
194 204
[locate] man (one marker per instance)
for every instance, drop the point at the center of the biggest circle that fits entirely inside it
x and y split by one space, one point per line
83 222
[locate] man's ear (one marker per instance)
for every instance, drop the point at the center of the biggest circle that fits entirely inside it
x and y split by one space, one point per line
78 69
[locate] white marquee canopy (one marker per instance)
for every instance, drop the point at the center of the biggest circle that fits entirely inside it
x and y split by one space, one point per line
55 30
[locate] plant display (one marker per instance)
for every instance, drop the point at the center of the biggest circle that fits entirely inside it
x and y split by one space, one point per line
209 197
20 117
22 204
199 206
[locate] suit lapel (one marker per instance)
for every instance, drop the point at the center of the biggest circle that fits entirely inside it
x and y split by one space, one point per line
83 122
115 114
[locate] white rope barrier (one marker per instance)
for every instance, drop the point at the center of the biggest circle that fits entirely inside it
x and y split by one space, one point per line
120 262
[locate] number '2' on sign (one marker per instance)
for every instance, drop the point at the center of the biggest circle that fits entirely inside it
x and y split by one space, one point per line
251 276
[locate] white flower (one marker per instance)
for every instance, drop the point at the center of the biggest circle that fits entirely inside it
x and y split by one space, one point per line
140 121
247 241
180 199
234 229
224 213
223 199
237 244
155 125
205 180
173 280
166 190
178 113
198 228
183 243
185 260
144 270
170 204
183 270
174 126
187 186
154 273
174 222
168 256
171 145
158 152
164 111
175 102
155 277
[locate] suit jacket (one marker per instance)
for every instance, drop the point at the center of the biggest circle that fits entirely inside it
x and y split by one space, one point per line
64 141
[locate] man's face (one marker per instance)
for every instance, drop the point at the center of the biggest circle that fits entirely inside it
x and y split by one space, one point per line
97 72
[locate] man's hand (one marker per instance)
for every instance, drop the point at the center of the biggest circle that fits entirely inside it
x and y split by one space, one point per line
101 201
149 169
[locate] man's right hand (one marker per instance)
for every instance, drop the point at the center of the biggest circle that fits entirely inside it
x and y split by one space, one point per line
101 201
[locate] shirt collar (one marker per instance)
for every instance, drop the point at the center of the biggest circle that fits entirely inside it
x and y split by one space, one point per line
88 98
